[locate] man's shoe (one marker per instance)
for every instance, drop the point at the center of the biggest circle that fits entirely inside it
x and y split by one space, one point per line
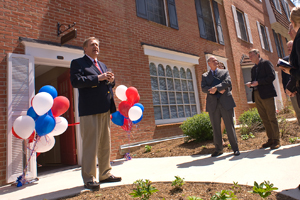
236 153
268 144
216 153
275 145
92 185
112 178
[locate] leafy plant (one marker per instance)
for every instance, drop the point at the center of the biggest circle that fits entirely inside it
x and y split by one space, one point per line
143 190
193 198
251 135
292 140
245 137
148 148
197 128
178 182
250 121
264 189
229 146
224 194
236 187
204 147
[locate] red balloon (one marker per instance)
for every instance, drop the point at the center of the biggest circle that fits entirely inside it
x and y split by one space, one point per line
127 125
60 105
132 95
15 134
124 107
31 137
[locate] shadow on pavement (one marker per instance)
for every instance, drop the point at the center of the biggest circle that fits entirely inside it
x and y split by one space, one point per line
288 152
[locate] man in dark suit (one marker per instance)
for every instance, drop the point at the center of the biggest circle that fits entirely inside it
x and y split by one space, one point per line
262 77
219 103
286 78
96 102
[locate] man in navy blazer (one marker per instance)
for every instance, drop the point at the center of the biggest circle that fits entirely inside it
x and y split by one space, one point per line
219 103
96 103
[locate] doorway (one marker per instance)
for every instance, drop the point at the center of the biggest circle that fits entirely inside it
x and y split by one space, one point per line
63 154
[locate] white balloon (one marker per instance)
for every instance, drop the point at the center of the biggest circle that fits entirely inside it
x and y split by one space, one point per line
135 113
42 103
24 126
45 143
61 125
121 92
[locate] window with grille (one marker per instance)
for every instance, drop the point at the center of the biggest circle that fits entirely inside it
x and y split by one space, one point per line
242 26
173 92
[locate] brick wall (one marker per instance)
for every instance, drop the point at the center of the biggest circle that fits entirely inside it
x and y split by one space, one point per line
121 32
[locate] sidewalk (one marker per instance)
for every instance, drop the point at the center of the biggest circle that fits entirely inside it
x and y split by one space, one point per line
280 167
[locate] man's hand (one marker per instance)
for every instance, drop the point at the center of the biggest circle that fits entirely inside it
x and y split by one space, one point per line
248 84
106 76
212 90
285 69
111 77
254 83
222 91
289 93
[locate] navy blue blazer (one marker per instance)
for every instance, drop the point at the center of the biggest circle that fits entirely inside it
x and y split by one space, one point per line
95 96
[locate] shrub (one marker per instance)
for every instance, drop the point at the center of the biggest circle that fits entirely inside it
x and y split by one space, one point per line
143 190
148 148
264 189
178 182
250 121
198 128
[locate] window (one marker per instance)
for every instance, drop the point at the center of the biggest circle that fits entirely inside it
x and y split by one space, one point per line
242 25
264 36
173 91
277 5
286 8
155 10
209 20
279 44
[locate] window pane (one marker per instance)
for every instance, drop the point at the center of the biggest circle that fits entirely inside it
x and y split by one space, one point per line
177 85
173 112
187 111
176 72
162 84
208 20
155 96
182 73
169 71
172 98
194 110
180 111
164 97
170 84
242 25
157 112
161 70
192 98
184 85
191 86
154 83
263 33
189 74
153 69
166 112
155 9
186 98
179 98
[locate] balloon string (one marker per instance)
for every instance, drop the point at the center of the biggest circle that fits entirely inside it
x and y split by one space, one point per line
74 124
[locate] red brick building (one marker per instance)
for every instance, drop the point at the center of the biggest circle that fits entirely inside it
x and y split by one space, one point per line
160 47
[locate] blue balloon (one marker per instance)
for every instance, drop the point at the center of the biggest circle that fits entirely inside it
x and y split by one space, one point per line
32 113
44 124
50 113
49 89
139 105
137 121
117 118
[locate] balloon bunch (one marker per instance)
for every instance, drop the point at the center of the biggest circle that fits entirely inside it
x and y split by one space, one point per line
42 122
130 111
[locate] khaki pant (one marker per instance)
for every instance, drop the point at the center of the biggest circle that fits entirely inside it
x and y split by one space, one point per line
296 107
95 133
267 111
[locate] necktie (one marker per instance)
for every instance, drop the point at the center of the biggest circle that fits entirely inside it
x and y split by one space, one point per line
96 64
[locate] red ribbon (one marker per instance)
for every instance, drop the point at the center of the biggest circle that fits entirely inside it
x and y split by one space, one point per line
74 124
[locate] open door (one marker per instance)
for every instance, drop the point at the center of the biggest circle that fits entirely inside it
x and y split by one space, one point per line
67 139
20 91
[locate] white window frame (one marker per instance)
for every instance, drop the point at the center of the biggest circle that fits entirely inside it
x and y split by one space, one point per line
286 8
261 37
237 27
277 5
166 57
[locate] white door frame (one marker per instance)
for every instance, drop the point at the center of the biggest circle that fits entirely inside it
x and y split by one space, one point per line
48 55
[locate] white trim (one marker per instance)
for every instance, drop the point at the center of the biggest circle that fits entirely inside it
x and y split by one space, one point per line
277 5
270 12
260 35
236 21
166 14
278 99
248 28
77 127
169 54
269 39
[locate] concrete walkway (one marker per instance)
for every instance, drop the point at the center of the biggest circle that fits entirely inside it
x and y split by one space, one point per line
281 167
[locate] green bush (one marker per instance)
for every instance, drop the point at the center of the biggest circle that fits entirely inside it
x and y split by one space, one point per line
198 128
250 121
